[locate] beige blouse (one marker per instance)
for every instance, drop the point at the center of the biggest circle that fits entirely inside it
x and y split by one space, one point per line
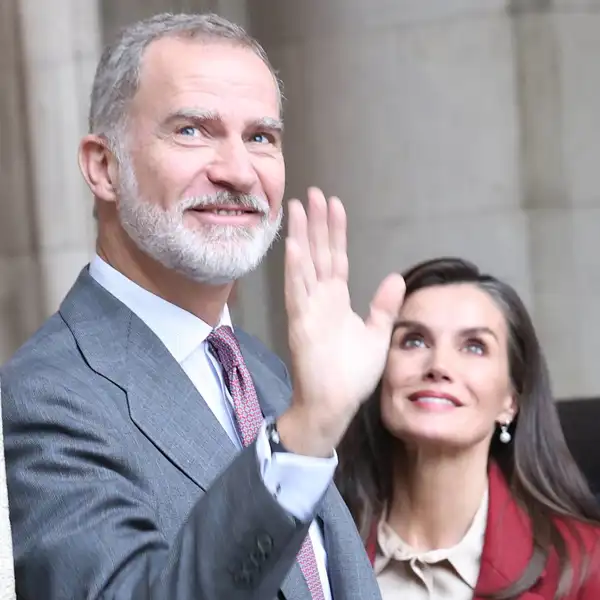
447 574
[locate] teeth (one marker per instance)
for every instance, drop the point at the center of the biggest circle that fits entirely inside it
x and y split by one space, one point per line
228 212
429 400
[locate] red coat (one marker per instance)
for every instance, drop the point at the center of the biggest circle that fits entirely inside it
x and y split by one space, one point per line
508 546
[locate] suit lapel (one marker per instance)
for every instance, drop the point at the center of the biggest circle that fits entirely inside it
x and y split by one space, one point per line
163 402
168 408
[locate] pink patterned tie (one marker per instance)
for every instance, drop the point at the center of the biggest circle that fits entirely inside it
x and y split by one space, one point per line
249 418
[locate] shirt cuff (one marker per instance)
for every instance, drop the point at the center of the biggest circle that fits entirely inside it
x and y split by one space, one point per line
297 482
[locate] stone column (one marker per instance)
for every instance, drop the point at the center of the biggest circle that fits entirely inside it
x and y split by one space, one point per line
20 306
60 48
559 94
47 227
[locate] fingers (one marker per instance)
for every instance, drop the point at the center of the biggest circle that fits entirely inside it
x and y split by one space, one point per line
318 233
386 304
337 239
296 294
298 232
318 242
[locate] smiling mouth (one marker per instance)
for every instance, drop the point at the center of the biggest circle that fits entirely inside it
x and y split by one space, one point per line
434 400
227 216
224 211
221 211
431 400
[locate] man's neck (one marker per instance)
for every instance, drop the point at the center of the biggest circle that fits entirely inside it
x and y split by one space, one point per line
203 300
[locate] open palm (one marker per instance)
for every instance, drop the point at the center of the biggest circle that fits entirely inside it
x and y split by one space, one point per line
337 357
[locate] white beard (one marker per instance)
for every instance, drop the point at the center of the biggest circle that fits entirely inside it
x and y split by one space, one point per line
214 254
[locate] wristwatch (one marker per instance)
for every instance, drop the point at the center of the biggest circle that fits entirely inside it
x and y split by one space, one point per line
273 436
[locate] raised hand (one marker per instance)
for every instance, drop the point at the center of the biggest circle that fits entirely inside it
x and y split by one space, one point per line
337 358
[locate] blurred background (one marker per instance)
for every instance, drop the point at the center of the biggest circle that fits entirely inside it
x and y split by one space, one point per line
463 127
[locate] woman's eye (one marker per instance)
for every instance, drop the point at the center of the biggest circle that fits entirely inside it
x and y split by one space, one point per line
475 347
412 340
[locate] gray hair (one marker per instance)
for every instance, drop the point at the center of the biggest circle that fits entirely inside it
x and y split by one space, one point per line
118 74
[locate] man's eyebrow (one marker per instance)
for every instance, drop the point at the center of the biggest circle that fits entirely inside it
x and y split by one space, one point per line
203 116
269 123
192 114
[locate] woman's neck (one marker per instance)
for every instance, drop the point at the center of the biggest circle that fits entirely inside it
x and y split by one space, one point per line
436 496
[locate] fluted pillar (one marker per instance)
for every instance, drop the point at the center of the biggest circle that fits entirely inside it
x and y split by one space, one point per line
20 307
47 228
60 48
559 85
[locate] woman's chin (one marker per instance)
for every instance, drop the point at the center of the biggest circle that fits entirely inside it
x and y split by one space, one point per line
439 439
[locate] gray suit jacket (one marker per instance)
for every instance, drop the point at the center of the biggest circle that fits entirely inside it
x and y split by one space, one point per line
123 485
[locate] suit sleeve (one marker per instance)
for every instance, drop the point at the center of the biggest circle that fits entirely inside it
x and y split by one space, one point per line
85 524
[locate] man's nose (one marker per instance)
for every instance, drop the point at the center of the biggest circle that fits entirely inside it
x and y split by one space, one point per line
232 167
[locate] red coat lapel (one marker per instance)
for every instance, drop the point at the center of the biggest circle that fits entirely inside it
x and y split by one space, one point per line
508 542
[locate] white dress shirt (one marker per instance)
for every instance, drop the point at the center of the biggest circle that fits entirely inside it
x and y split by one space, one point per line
297 482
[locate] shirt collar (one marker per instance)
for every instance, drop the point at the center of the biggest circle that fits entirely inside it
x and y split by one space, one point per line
179 330
465 556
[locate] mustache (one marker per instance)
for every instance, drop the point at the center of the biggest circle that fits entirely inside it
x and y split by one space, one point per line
243 201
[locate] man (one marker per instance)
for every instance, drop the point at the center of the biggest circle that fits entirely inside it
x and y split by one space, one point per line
152 452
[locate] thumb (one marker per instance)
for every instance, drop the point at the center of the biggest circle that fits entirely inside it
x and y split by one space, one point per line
386 304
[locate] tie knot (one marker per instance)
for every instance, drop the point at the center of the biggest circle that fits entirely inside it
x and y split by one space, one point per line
225 345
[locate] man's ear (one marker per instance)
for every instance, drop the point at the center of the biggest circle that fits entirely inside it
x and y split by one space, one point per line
99 167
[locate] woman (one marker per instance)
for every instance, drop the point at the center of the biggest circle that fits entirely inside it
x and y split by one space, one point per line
456 471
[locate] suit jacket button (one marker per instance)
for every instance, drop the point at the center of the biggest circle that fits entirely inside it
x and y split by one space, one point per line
243 578
264 543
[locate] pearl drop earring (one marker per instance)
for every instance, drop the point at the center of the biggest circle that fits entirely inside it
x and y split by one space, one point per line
505 436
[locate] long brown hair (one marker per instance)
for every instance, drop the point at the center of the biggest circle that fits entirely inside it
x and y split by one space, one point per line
543 476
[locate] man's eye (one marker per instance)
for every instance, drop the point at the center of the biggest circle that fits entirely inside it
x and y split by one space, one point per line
262 138
188 131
